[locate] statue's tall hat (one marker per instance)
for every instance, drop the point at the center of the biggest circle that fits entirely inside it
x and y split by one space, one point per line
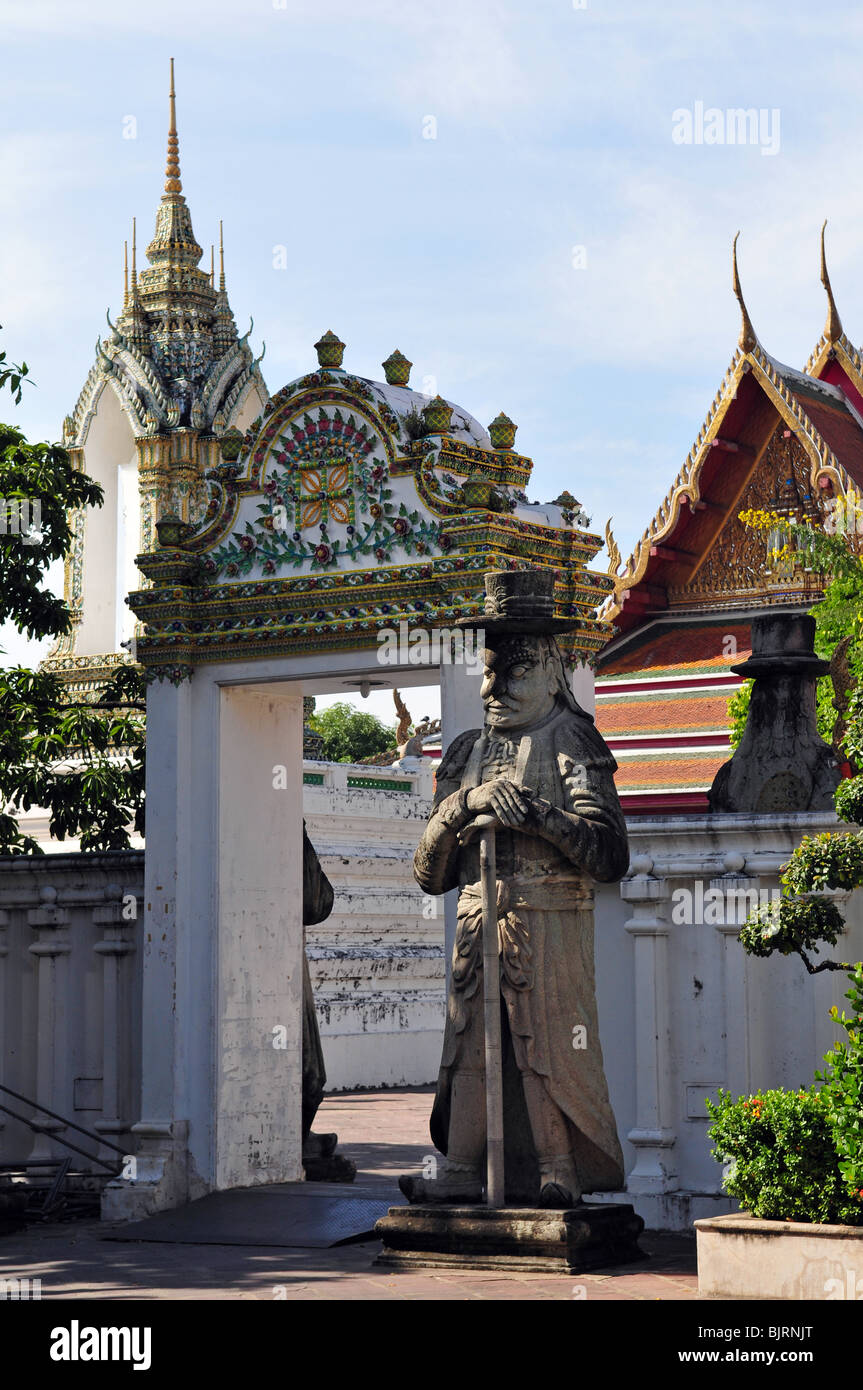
519 601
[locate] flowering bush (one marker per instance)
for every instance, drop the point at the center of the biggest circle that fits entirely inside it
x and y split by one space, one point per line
782 1155
798 1155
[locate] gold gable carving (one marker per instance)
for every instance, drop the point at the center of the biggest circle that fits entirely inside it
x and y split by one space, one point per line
736 566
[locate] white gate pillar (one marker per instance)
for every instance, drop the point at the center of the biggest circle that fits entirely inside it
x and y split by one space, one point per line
260 951
221 945
653 1135
583 684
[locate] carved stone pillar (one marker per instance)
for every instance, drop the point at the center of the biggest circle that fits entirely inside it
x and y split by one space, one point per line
118 919
734 887
653 1136
51 949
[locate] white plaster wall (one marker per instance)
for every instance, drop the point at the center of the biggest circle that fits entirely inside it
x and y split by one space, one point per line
251 405
110 445
128 548
258 1045
720 1017
584 686
70 1010
727 1019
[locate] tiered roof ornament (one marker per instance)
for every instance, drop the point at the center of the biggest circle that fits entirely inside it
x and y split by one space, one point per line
174 354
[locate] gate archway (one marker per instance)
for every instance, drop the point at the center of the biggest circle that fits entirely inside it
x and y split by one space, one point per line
351 509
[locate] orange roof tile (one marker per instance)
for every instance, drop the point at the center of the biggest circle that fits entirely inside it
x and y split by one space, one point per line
668 771
685 649
661 714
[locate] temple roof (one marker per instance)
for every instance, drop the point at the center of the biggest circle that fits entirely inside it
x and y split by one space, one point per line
760 402
174 356
662 707
405 401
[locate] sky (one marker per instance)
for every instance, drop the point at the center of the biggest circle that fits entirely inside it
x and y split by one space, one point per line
504 191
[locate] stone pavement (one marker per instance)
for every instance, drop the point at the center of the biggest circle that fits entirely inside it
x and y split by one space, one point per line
386 1133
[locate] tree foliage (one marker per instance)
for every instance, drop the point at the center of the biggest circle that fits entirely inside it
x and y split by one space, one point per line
803 915
83 763
350 735
36 479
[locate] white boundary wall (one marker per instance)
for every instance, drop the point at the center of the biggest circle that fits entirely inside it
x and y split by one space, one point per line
682 1009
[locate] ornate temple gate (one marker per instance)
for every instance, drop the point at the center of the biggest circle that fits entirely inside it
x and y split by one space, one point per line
336 475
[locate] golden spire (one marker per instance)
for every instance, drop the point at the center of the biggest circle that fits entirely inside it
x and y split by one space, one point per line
172 168
747 339
134 260
212 266
221 259
125 274
833 326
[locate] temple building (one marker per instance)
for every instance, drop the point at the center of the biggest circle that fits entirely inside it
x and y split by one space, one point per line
775 438
268 546
173 376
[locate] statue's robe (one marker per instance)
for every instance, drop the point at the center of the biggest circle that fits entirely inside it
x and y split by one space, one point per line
545 925
317 905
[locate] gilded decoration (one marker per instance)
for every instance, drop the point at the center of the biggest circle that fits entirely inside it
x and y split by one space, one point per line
327 473
738 563
326 480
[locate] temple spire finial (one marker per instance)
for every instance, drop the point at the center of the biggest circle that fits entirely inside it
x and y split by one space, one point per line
833 326
748 339
221 259
173 183
125 275
134 259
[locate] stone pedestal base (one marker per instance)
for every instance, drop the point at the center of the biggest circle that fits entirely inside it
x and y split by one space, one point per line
521 1238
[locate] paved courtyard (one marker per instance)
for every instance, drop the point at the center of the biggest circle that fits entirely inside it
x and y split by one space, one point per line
386 1133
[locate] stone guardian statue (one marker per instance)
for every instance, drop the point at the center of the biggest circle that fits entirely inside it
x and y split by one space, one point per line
540 767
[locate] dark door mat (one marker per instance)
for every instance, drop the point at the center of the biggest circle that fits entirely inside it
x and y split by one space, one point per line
299 1215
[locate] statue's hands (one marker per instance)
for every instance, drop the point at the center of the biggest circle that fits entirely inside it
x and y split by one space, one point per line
539 811
508 801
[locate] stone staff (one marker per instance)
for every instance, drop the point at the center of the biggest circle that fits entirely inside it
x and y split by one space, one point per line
486 826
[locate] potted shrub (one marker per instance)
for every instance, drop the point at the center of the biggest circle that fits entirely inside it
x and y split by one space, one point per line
794 1159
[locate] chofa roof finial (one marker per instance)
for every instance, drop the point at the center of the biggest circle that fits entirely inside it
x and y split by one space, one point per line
748 339
833 326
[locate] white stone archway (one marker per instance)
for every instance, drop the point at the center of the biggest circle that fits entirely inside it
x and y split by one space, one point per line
222 931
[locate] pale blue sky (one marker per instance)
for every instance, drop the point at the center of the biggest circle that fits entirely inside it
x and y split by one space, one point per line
302 126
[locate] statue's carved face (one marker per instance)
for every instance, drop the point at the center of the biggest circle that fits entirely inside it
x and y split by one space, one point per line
518 685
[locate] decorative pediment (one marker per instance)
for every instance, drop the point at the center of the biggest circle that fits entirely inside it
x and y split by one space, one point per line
349 506
737 565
